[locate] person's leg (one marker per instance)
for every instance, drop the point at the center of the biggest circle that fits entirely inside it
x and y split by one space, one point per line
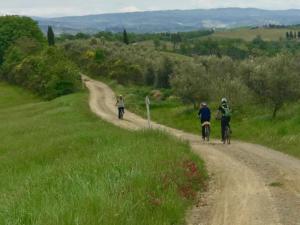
223 127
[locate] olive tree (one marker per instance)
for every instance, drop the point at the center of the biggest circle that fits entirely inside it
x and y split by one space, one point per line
275 81
191 83
224 79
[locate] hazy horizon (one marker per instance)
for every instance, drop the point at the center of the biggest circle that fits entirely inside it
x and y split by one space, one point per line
57 8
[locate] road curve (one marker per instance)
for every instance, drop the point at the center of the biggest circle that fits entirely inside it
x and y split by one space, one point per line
250 185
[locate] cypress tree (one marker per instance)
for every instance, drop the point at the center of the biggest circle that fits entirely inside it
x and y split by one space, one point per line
50 36
125 37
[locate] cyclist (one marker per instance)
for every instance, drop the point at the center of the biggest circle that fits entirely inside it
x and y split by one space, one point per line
224 113
204 115
121 106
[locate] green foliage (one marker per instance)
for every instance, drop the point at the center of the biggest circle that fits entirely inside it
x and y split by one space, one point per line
191 83
164 74
82 36
46 72
275 81
13 28
150 76
99 55
237 49
26 61
125 74
68 167
209 79
175 39
125 37
124 63
50 36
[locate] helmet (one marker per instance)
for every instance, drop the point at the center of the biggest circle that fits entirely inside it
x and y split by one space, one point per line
203 104
224 100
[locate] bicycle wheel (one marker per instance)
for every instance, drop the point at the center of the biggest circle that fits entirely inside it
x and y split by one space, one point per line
207 133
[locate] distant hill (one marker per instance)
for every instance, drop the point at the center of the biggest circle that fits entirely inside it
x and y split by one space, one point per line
171 21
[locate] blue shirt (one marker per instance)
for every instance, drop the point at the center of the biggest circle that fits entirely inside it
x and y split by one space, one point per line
204 114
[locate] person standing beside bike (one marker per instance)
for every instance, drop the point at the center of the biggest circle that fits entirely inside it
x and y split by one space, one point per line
204 116
224 113
121 106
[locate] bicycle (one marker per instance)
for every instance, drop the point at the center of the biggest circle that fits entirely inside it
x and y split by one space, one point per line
206 126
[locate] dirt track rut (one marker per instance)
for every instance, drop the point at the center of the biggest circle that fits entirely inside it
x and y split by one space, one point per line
250 185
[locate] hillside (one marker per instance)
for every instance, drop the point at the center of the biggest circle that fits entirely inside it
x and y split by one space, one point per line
248 34
62 165
171 21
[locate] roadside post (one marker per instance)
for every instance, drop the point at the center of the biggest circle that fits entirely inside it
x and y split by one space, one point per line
147 101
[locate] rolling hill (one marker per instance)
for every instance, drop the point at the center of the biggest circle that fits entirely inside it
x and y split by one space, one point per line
172 20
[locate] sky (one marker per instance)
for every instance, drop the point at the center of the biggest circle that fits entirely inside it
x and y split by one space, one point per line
53 8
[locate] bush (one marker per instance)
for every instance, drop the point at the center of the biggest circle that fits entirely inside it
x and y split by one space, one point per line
47 73
125 73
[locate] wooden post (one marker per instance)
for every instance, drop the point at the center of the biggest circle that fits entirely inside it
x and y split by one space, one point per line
147 101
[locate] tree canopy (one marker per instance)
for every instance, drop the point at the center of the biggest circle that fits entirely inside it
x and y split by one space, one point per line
13 28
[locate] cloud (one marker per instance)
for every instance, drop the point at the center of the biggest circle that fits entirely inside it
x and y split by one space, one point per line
49 11
83 7
130 9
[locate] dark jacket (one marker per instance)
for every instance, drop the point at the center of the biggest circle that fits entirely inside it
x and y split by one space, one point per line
204 114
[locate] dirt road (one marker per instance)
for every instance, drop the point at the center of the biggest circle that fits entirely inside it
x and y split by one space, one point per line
251 185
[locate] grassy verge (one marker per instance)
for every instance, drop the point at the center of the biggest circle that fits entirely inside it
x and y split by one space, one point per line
252 123
61 165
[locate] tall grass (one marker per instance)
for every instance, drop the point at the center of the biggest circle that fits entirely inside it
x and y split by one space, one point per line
61 165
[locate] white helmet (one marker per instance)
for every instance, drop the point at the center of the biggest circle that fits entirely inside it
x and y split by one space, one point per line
224 100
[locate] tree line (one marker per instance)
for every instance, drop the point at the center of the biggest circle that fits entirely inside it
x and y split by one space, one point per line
290 35
271 80
192 43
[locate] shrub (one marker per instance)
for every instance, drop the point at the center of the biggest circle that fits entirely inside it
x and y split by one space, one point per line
48 73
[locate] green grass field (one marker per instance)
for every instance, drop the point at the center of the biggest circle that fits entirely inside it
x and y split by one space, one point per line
267 34
247 34
253 124
61 165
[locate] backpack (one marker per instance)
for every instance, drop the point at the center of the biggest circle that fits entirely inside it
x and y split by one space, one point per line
227 111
